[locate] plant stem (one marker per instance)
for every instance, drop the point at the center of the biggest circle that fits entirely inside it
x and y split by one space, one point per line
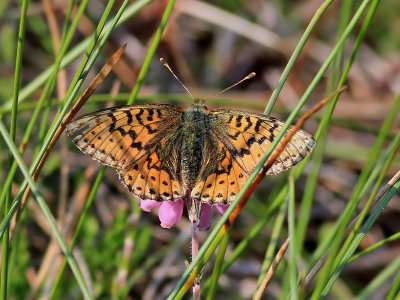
194 217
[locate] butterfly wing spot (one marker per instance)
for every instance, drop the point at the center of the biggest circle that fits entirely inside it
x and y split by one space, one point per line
152 190
165 186
177 190
208 188
220 194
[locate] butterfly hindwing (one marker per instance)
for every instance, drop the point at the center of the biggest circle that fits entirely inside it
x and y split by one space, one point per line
148 180
219 183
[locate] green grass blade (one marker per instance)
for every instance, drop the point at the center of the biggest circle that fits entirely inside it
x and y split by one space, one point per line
394 289
309 191
296 53
292 245
152 51
370 249
218 266
82 217
360 236
272 246
14 111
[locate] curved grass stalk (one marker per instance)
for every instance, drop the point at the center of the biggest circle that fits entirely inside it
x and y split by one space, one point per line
152 51
46 211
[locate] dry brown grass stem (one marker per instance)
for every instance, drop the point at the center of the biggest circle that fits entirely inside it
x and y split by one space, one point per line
271 270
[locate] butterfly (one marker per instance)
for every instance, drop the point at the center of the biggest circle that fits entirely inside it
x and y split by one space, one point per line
165 152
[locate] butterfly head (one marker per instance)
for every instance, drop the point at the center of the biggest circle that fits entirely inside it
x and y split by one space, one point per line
199 104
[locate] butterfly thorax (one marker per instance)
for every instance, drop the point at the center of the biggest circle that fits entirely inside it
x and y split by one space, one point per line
195 128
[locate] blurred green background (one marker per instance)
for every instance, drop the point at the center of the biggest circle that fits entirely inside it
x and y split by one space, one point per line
124 253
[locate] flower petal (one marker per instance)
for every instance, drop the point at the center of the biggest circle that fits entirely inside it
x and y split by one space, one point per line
170 212
220 209
148 205
205 217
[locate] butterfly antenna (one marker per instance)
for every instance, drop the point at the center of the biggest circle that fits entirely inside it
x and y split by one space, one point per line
164 62
251 75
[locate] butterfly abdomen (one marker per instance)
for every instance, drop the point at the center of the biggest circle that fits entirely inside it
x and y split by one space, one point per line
193 133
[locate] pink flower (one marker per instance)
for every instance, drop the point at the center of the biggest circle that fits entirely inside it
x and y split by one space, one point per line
148 205
221 209
170 212
205 217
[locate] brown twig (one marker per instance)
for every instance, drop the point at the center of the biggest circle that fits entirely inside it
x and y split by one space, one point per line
82 100
61 92
55 36
271 270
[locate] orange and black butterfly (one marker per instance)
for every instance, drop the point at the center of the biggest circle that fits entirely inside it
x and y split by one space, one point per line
164 152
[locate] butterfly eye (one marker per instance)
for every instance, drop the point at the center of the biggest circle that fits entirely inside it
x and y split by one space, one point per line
200 103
